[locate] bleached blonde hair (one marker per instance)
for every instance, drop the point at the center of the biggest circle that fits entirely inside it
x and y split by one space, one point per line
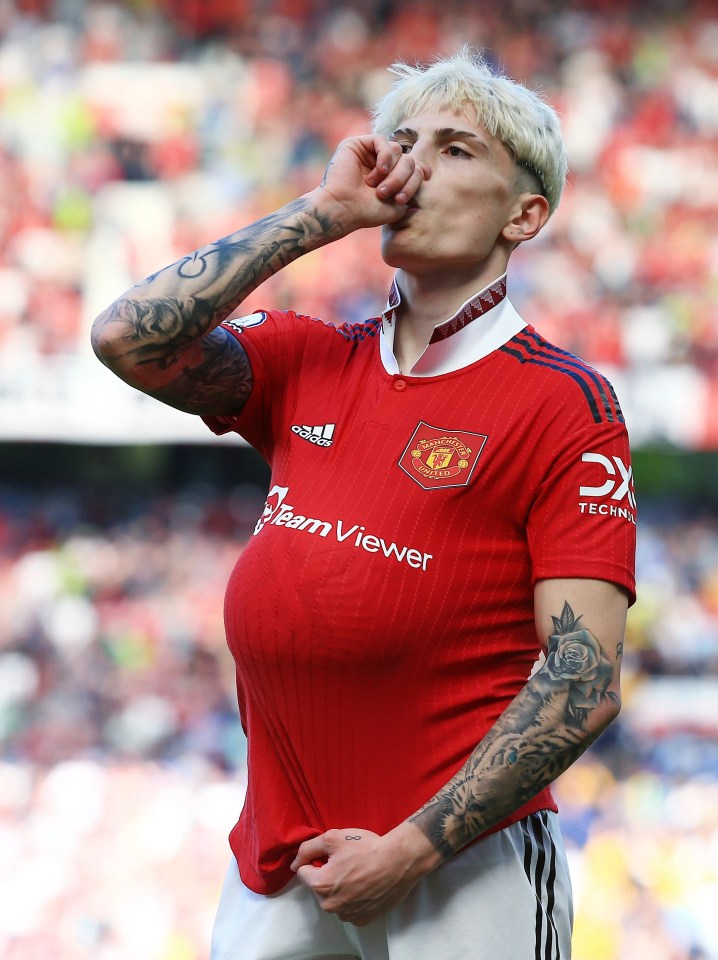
515 115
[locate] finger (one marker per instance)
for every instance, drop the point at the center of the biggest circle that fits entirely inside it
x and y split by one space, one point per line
360 921
359 914
307 874
388 154
399 177
409 189
316 849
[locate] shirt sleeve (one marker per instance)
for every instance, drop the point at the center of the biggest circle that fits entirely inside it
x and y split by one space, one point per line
274 342
582 522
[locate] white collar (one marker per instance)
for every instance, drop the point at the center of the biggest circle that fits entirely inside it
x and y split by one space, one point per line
483 323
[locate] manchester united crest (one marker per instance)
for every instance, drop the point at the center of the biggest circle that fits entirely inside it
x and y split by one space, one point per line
436 458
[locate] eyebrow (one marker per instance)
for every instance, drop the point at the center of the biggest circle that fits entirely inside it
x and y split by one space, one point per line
442 134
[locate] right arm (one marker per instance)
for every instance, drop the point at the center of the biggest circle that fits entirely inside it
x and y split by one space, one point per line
163 337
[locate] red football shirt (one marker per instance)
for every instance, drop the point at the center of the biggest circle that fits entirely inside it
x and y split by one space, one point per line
381 617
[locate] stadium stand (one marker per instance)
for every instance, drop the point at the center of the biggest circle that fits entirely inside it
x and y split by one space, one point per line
132 132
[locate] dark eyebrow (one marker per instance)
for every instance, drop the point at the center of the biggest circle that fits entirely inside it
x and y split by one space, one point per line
450 133
408 132
441 135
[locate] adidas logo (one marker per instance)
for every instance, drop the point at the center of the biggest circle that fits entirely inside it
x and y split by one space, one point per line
321 436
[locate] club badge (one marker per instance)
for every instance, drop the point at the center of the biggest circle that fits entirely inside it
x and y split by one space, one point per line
436 458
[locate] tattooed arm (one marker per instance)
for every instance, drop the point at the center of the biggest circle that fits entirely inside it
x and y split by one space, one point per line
561 710
565 706
161 336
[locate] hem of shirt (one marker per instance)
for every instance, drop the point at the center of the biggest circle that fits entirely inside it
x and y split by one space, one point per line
627 581
221 424
218 424
543 800
269 884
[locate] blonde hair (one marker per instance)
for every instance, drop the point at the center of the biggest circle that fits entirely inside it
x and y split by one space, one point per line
516 116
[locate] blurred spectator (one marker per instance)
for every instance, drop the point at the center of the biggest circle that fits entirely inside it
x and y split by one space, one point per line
183 116
124 761
122 756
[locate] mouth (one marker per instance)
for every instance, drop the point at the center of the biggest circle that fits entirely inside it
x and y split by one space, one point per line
411 208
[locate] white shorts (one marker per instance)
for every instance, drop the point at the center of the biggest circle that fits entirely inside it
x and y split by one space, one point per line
507 897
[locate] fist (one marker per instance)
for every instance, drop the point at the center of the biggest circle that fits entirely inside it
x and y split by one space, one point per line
368 182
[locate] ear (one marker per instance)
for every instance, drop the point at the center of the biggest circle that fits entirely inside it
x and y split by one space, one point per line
530 215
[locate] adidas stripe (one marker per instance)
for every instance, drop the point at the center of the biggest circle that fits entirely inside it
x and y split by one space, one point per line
540 868
529 347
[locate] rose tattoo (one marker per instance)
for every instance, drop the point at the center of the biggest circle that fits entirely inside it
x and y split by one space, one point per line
575 656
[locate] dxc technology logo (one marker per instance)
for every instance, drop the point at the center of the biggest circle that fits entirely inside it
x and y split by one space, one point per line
617 486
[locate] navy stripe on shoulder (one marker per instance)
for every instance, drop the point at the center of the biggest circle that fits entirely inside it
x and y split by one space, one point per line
529 347
356 332
602 384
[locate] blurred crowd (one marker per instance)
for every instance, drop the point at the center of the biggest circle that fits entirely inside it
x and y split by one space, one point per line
133 132
123 759
130 133
122 755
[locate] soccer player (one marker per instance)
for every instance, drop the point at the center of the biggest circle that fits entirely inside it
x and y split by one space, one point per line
428 621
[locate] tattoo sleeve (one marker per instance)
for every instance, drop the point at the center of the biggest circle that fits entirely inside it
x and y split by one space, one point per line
159 335
562 709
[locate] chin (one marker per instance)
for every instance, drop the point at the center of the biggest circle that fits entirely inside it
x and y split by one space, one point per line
410 263
398 253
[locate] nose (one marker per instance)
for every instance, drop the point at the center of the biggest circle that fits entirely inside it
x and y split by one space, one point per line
420 155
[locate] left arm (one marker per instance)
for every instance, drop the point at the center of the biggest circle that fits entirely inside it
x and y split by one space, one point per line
560 711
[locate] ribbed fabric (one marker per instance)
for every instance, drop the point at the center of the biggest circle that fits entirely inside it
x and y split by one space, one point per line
382 616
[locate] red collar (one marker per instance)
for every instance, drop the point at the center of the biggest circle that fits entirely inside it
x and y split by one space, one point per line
480 304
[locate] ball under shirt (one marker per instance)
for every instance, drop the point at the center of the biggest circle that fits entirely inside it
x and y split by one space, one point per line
381 617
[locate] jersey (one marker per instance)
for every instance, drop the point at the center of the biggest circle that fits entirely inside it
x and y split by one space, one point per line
381 617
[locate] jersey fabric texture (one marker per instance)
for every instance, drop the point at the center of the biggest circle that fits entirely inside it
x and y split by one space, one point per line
381 617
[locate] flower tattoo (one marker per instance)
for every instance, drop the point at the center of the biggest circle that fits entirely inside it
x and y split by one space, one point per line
575 656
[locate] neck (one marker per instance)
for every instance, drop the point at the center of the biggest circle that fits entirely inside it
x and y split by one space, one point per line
426 302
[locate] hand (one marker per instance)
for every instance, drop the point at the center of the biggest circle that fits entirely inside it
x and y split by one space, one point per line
369 182
365 875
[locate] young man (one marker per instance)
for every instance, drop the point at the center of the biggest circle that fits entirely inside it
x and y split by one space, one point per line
450 496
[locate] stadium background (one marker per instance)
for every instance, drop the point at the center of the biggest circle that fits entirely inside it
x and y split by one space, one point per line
131 133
